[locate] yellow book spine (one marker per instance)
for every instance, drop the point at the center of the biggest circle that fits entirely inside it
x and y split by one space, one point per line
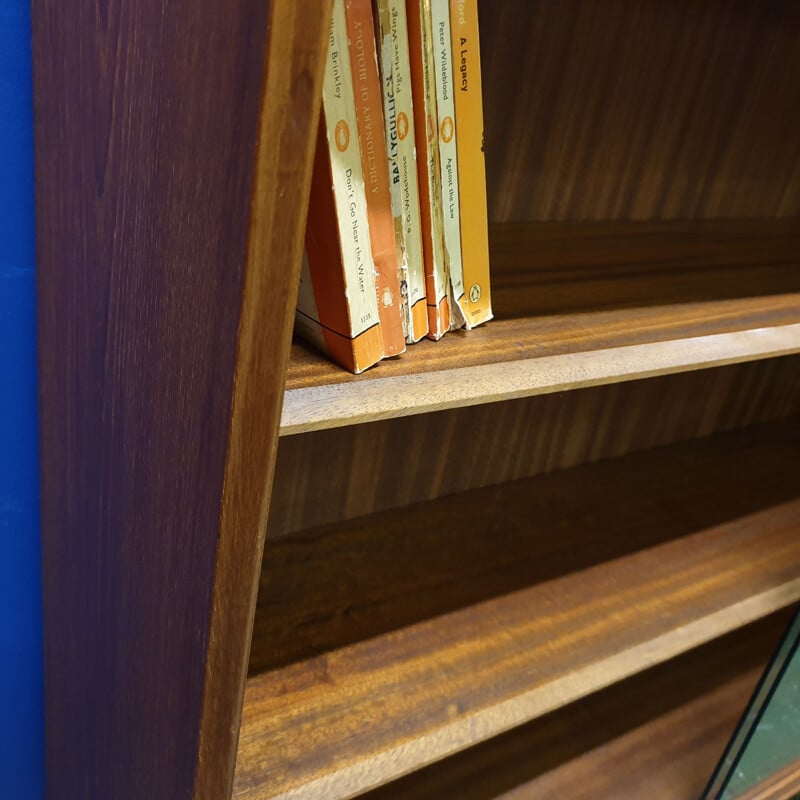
471 167
448 156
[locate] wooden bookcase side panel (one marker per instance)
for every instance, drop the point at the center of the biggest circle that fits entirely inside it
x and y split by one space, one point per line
170 187
293 76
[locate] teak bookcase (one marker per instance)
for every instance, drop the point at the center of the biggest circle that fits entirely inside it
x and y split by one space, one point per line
545 558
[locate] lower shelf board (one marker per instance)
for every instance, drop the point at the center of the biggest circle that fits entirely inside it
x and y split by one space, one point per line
657 735
725 552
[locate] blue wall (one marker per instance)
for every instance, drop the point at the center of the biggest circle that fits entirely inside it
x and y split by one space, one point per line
21 723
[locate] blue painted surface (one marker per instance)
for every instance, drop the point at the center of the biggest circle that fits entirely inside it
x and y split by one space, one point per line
21 717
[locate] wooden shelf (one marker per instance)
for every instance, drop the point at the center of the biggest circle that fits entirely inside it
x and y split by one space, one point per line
510 358
657 735
628 564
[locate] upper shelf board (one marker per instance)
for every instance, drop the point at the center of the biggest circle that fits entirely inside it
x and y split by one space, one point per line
516 358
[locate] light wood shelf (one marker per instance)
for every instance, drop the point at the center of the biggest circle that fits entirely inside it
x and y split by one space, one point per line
630 563
658 734
521 357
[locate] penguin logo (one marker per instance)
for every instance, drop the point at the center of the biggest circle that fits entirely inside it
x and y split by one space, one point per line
402 126
342 136
447 129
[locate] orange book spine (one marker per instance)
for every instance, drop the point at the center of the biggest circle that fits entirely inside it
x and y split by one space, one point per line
337 305
398 111
420 47
468 95
375 168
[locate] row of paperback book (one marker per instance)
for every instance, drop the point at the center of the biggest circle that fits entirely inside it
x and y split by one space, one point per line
397 234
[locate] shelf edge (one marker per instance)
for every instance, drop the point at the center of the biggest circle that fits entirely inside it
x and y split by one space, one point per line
452 738
338 405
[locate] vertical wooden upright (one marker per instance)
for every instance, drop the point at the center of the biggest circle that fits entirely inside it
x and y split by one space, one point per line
173 145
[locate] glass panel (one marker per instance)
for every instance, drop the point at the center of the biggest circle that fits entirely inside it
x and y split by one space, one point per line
763 757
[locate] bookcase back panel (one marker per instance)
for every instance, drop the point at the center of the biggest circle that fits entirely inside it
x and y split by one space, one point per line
641 110
544 268
333 475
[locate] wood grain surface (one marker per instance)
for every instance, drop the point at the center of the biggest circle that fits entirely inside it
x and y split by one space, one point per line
290 107
341 583
656 735
547 268
621 109
538 355
148 174
357 716
518 338
341 473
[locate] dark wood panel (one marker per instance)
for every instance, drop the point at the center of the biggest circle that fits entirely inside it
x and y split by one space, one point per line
628 563
147 123
290 107
657 735
546 268
338 474
623 109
